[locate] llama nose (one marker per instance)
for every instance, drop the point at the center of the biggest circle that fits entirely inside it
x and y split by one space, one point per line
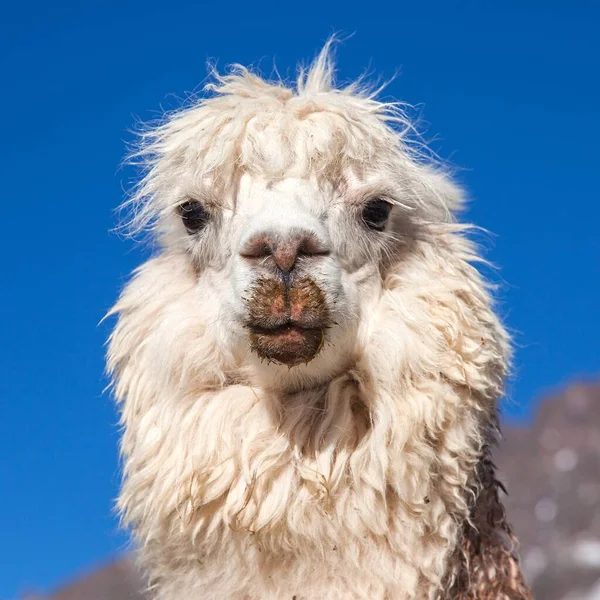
283 250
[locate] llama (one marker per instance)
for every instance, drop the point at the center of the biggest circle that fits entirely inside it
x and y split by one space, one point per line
308 370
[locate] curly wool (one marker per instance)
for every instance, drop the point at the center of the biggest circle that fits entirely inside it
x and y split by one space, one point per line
356 486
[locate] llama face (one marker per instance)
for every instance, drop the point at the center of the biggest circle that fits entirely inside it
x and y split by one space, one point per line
293 265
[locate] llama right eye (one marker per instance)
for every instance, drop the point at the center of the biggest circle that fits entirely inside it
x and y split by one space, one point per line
193 215
376 213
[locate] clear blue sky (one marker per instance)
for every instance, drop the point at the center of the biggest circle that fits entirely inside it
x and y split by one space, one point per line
512 96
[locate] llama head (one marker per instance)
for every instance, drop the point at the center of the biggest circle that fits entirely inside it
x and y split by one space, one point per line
288 206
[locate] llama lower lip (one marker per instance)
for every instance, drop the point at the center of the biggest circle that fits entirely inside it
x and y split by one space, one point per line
289 345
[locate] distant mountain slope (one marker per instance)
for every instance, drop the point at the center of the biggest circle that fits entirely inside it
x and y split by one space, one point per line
118 580
552 472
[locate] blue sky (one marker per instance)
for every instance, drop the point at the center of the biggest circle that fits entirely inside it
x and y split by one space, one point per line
510 95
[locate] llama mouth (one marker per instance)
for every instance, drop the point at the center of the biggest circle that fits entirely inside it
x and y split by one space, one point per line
289 344
287 324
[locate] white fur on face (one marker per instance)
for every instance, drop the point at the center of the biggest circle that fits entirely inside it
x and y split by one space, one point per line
347 477
347 272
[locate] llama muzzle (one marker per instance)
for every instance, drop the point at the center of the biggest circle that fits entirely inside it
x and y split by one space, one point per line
287 319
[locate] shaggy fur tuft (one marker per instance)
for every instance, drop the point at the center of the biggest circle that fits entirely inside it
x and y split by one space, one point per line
363 474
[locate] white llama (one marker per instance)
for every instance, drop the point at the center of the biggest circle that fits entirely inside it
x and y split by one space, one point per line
308 370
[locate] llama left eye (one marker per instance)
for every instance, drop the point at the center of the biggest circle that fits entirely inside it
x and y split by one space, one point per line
193 215
376 213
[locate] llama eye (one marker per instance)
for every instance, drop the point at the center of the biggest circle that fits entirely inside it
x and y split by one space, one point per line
376 213
193 215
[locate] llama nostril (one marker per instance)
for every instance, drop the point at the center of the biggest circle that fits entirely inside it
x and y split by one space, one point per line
283 251
258 247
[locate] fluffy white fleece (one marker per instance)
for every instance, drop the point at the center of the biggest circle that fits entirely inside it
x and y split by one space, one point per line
346 478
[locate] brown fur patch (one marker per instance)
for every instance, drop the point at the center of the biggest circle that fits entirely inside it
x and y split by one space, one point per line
307 303
287 322
268 304
487 560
